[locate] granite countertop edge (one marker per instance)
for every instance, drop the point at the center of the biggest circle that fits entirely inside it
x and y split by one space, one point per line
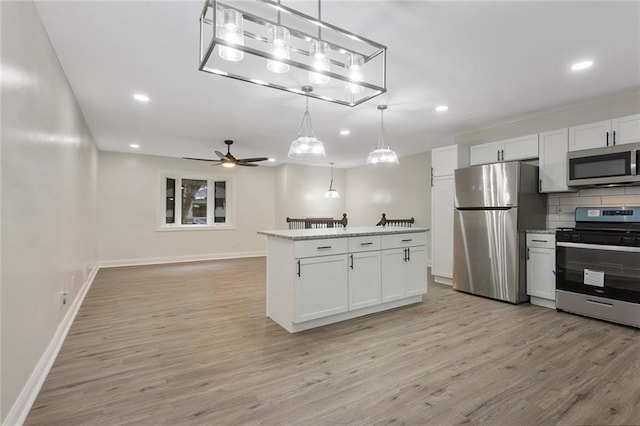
318 234
541 231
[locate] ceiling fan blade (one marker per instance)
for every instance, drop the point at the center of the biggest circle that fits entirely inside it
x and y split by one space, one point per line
201 159
252 160
239 163
221 155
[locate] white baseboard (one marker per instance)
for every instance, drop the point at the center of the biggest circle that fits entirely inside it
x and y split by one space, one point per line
29 392
178 259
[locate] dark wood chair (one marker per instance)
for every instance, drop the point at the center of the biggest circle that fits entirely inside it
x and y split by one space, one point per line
395 222
316 222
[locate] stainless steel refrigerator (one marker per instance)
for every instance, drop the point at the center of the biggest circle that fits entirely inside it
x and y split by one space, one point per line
494 205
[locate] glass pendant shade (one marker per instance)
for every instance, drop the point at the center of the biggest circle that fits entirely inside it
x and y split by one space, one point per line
382 156
306 145
230 27
355 63
319 51
279 40
332 193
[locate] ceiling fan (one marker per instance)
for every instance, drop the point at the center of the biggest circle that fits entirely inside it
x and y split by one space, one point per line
228 160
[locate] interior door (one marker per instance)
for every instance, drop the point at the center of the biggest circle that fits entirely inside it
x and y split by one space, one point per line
486 253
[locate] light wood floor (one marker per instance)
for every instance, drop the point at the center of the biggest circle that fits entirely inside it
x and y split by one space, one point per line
190 344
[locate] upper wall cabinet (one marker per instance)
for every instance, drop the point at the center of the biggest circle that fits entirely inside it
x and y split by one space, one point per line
520 148
553 161
605 133
446 159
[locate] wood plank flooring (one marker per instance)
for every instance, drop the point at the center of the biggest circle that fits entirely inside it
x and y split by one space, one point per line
190 344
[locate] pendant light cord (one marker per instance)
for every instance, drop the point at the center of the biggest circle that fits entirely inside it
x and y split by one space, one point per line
381 138
319 19
306 127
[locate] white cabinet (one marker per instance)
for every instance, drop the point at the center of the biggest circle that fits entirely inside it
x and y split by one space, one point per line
553 161
444 162
626 129
592 135
446 159
605 133
442 202
520 148
318 281
404 268
364 279
485 153
541 266
321 287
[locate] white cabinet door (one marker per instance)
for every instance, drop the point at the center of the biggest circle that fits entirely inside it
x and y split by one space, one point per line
442 199
520 148
541 264
321 287
553 161
364 279
446 159
485 153
393 264
415 274
626 129
592 135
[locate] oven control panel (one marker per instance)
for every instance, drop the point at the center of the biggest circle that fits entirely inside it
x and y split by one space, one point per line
629 214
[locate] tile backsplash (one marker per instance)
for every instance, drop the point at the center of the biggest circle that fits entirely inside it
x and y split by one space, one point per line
562 206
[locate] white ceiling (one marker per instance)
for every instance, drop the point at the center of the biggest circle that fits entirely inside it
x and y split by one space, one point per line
488 61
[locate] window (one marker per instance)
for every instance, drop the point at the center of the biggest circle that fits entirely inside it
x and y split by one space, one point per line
195 202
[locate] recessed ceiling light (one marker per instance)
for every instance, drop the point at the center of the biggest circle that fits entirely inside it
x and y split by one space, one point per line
140 97
442 108
134 145
581 65
345 132
272 159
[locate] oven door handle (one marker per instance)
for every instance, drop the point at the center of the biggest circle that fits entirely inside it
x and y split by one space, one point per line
600 247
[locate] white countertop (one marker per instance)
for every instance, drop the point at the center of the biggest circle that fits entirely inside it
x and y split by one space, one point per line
349 231
541 231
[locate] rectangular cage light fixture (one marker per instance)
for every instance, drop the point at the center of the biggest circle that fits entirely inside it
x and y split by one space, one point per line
267 43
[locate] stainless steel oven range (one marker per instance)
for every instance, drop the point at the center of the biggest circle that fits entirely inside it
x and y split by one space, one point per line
598 264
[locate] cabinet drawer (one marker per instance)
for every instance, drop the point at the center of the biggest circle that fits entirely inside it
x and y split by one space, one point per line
320 247
404 240
369 243
541 240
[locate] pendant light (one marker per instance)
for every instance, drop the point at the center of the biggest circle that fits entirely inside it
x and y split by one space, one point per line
320 53
306 145
355 63
279 41
332 193
382 156
230 25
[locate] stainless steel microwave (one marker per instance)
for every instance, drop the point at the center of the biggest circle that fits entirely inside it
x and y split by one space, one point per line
606 166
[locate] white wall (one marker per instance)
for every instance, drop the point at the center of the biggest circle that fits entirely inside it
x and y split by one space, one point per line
301 190
400 192
130 201
48 197
619 105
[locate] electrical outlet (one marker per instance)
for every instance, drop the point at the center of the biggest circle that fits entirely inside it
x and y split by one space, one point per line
64 298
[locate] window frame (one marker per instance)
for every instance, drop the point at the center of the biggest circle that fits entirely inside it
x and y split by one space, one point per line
211 179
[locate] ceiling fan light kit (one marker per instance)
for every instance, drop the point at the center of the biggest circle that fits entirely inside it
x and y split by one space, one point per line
266 43
382 156
306 145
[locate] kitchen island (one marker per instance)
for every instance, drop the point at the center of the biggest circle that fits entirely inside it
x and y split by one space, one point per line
321 276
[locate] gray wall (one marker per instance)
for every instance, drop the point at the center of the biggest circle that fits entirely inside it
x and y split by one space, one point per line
48 168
